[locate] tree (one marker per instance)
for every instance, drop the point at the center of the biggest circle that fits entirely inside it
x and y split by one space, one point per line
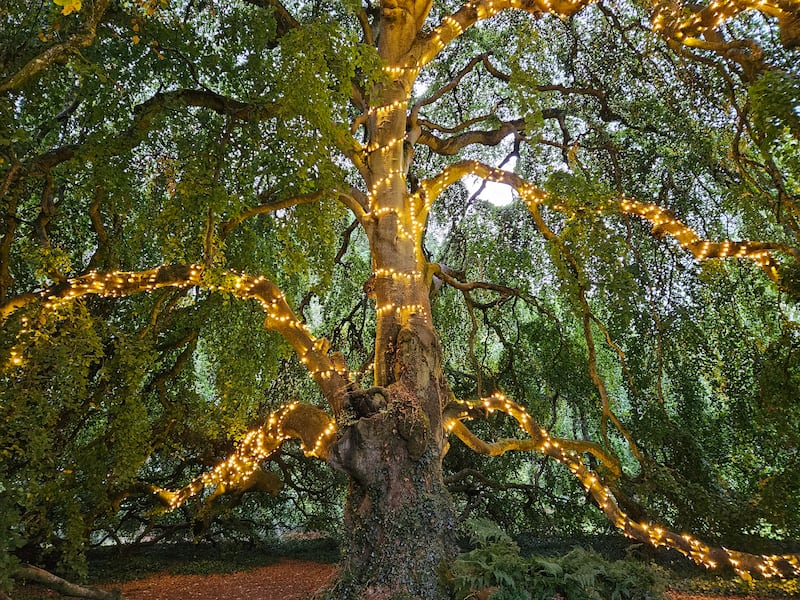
164 160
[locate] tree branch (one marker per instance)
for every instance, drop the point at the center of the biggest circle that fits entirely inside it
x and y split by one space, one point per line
664 223
541 441
241 470
329 372
351 201
452 145
58 52
687 23
284 19
428 45
144 116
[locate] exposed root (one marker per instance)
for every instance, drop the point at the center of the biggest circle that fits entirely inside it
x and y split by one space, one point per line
62 586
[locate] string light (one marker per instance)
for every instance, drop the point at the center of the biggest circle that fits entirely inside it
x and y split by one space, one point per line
689 546
664 223
311 425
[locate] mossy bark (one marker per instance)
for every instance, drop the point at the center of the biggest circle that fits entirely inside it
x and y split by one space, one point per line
399 518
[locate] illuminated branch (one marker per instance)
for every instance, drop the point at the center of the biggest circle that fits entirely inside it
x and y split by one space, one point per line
311 425
431 189
329 372
541 441
59 52
456 412
664 223
428 45
680 22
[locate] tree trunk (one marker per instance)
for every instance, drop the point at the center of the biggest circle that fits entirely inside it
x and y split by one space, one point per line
399 517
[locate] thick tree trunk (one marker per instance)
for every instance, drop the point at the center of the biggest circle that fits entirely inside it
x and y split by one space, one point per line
399 518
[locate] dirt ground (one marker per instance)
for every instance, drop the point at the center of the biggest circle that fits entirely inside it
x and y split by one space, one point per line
286 580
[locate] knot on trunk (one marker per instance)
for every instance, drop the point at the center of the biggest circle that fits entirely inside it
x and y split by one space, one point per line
395 431
366 403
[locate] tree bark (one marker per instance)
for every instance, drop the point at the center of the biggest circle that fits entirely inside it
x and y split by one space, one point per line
399 517
62 586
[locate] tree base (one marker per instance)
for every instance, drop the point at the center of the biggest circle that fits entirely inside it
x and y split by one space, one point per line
399 517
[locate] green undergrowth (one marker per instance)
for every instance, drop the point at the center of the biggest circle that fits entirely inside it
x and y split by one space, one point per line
593 568
496 564
609 567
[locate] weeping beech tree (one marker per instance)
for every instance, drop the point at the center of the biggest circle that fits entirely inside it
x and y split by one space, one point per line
164 162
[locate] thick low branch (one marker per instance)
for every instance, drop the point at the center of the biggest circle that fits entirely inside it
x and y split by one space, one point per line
329 372
743 563
62 586
241 470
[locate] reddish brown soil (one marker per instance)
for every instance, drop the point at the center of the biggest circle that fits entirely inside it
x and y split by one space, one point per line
286 580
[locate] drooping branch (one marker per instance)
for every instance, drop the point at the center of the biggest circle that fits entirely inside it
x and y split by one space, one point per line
534 198
144 117
587 317
664 223
241 470
540 440
61 51
328 371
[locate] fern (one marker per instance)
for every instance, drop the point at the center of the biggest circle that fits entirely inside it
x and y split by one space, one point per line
496 565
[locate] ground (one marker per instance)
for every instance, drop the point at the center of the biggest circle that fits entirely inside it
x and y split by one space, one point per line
285 580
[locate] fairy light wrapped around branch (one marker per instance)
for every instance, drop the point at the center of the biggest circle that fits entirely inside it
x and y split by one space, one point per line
541 441
311 425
